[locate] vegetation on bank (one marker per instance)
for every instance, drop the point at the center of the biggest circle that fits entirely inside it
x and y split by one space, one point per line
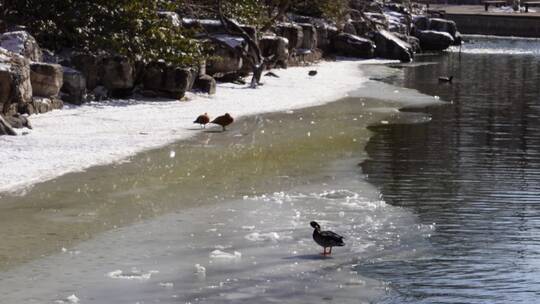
134 28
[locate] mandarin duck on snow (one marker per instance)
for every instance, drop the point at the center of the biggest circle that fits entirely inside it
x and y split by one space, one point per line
202 120
223 120
326 239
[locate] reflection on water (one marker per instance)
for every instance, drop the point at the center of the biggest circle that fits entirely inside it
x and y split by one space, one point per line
474 171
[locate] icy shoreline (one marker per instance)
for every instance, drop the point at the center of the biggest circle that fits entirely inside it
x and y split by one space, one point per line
77 138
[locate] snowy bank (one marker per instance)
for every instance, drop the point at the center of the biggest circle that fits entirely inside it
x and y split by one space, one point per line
77 138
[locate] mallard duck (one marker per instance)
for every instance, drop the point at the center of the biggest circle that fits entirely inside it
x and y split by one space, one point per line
202 120
223 120
326 239
446 79
312 73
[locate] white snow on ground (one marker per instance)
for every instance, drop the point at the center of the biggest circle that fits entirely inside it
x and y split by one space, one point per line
78 137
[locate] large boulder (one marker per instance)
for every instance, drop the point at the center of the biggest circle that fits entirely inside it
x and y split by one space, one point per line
18 121
22 43
443 25
354 46
421 22
88 65
205 84
5 127
391 47
117 75
225 60
292 32
41 105
74 87
433 40
325 34
15 85
164 80
46 79
275 46
309 34
212 26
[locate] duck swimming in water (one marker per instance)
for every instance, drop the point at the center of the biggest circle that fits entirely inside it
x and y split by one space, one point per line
326 239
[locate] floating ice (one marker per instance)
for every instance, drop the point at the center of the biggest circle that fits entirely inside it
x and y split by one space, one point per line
172 154
222 255
200 269
135 274
338 194
167 284
262 237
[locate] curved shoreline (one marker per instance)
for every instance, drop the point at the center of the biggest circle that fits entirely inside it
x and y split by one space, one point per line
77 138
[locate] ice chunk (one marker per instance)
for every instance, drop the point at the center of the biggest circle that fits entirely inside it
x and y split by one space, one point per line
262 237
133 275
222 255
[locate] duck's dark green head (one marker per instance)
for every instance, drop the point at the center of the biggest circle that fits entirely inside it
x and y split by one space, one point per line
315 225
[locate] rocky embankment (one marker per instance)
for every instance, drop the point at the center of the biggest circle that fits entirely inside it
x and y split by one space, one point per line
34 81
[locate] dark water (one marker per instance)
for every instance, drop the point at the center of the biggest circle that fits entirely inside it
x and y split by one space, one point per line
474 170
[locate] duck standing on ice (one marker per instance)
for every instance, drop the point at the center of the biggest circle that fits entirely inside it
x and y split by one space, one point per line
223 120
202 120
326 239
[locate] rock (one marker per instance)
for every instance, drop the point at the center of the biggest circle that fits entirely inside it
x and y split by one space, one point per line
225 60
46 79
41 105
351 45
391 47
18 121
117 75
171 17
212 26
349 28
361 27
163 80
413 41
74 88
275 46
443 25
15 85
292 32
22 43
88 65
433 40
421 22
325 34
205 84
309 33
5 127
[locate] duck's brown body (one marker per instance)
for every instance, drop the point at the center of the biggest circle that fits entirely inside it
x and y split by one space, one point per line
202 120
223 120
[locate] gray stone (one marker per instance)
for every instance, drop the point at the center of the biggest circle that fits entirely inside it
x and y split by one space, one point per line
433 40
309 33
275 46
349 28
22 43
15 85
293 32
18 121
391 47
224 60
116 73
41 105
205 84
5 127
325 34
74 88
88 65
443 25
163 80
46 79
354 46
